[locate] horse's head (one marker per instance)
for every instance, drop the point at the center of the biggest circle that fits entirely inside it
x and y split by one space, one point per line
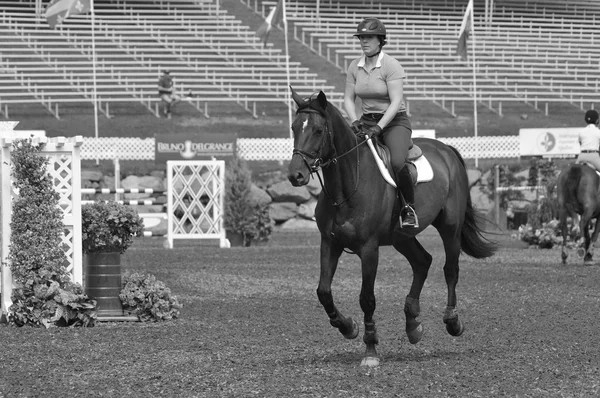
313 141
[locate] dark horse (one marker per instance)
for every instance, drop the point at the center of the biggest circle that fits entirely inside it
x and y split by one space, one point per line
577 189
358 211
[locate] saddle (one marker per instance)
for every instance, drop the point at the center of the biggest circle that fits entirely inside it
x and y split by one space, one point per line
418 165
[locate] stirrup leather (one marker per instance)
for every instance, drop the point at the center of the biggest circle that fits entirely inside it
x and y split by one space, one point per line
408 208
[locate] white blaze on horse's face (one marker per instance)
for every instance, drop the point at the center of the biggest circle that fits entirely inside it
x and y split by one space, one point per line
304 123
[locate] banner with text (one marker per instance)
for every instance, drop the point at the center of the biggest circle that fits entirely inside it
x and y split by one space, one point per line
194 146
550 142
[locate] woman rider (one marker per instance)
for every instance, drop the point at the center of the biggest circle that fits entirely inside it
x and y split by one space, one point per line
377 79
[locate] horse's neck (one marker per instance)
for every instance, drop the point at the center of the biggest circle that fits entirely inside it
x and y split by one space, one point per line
341 178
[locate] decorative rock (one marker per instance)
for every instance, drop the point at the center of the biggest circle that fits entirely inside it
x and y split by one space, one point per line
284 192
307 210
474 176
282 211
299 224
314 186
150 182
258 196
90 176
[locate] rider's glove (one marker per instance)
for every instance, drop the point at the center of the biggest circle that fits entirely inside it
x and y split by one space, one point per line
357 126
373 131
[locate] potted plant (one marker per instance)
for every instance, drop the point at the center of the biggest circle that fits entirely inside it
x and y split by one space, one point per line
244 222
107 230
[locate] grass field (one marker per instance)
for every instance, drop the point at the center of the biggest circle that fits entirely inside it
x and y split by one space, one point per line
252 326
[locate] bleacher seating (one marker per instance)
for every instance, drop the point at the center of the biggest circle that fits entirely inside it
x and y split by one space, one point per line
209 52
534 51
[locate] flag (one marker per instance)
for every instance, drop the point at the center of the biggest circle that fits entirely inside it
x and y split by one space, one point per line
276 16
59 10
465 31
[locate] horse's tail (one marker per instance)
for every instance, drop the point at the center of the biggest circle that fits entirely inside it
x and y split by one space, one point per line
472 241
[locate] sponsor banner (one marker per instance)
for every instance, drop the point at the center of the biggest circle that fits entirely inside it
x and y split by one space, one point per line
194 146
551 142
423 134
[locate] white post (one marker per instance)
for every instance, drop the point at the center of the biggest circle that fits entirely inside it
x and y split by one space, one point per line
94 88
287 67
475 90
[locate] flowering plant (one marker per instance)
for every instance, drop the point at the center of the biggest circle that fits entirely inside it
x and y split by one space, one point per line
148 298
545 237
108 226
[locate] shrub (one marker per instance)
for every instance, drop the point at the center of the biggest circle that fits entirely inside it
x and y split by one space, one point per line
43 293
148 298
108 226
253 222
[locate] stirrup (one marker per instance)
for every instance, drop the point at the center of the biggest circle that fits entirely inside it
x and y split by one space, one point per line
408 224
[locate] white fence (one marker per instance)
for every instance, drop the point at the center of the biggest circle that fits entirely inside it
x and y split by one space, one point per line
281 148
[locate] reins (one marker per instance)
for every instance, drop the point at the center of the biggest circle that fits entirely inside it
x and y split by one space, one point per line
318 161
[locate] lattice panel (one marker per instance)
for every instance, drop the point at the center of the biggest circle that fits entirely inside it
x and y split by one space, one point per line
60 168
485 147
195 201
120 148
265 149
280 149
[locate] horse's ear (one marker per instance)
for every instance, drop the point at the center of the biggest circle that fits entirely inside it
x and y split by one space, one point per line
322 99
297 99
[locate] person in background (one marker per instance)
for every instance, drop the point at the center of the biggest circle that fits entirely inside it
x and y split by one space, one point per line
378 80
589 140
166 92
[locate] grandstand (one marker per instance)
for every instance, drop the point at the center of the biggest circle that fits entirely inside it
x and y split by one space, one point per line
537 55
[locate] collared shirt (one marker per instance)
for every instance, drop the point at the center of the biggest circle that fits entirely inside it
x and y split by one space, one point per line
589 138
371 85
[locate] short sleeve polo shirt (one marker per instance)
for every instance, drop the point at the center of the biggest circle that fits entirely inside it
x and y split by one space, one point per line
371 86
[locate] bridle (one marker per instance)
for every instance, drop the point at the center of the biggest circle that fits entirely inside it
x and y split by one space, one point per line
317 160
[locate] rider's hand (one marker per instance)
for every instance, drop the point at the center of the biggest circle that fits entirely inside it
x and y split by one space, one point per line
373 131
357 126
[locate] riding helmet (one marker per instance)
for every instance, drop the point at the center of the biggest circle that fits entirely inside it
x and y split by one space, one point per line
370 26
591 117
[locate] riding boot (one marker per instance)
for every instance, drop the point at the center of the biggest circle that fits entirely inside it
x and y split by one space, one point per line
408 215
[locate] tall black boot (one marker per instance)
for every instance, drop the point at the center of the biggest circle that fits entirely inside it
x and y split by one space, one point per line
408 216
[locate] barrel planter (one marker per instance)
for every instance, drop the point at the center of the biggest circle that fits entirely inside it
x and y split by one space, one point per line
103 282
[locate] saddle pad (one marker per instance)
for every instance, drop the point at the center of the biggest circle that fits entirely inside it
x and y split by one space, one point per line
423 167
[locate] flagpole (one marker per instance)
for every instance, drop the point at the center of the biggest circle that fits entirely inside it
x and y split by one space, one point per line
287 65
472 33
94 89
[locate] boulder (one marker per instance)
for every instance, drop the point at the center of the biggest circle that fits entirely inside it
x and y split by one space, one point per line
284 191
259 196
91 176
314 185
282 211
299 224
144 182
474 176
307 210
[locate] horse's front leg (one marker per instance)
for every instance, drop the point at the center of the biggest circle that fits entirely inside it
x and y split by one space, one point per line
369 258
330 254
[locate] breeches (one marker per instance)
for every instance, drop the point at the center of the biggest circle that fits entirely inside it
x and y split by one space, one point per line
169 98
593 158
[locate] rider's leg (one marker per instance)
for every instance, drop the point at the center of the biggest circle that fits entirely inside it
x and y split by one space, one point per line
397 137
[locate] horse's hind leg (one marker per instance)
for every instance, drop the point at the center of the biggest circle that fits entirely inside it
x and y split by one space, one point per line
584 230
330 255
420 261
564 229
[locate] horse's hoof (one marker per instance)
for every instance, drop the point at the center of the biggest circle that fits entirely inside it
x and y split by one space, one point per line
454 327
370 362
354 332
581 252
415 335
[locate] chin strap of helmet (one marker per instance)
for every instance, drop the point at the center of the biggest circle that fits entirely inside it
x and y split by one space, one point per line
374 55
